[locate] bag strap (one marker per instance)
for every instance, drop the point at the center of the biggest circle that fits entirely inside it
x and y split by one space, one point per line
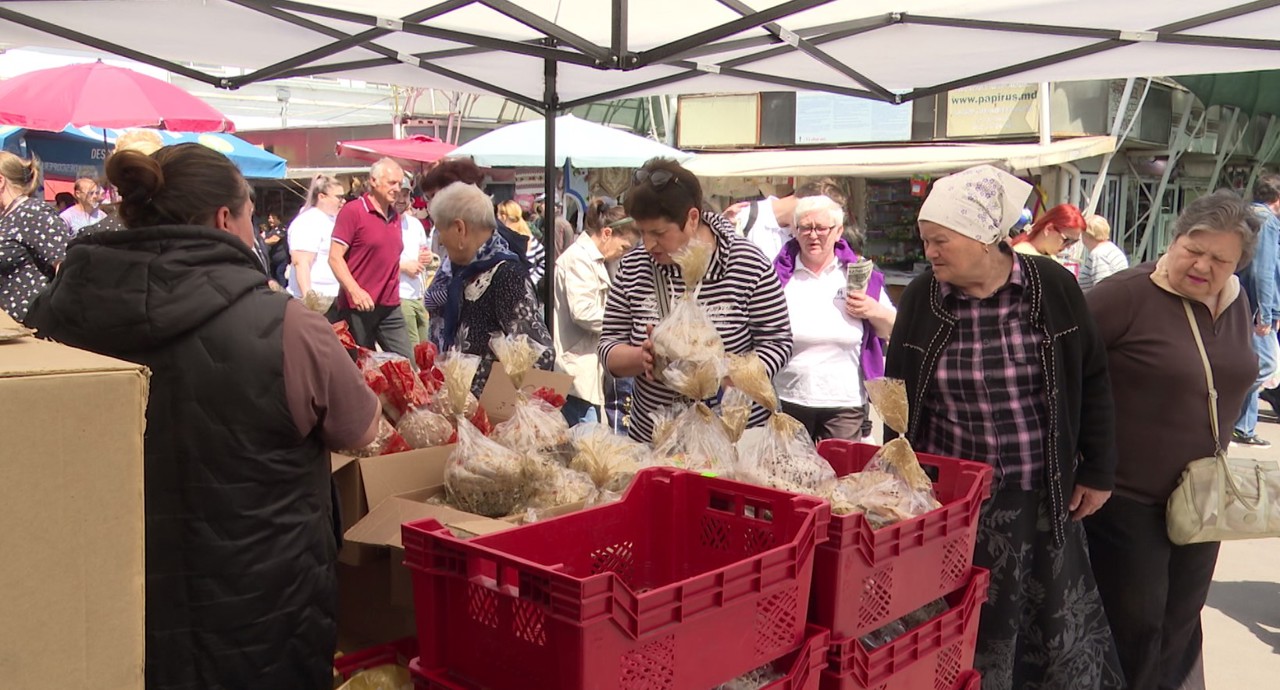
661 291
1208 375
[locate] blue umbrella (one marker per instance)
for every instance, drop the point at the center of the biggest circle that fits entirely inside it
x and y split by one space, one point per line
77 151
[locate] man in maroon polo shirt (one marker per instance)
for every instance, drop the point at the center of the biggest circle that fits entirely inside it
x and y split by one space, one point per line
365 258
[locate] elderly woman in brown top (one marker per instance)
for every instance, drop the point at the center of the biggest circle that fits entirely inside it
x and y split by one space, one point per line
1152 589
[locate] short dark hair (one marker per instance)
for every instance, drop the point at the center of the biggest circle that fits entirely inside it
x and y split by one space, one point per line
64 198
1267 189
184 184
671 200
447 172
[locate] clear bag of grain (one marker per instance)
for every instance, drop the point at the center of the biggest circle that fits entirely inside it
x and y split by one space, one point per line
785 458
695 439
688 350
536 426
483 477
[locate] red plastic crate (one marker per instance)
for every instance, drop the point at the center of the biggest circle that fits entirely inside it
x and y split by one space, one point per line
932 656
687 582
864 578
804 666
398 653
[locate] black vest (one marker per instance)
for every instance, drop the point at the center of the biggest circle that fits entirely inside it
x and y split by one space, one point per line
240 554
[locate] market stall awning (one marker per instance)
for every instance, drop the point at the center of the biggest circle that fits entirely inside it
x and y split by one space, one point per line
587 144
419 148
79 151
897 161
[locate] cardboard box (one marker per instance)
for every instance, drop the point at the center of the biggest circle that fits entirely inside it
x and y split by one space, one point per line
499 395
71 423
363 483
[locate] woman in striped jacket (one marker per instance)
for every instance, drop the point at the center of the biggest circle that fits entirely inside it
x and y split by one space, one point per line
741 287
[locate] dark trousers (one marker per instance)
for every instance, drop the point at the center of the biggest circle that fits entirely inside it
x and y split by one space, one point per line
828 422
1153 592
384 325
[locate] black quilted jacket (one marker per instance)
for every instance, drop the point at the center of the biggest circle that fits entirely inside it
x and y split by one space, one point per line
240 589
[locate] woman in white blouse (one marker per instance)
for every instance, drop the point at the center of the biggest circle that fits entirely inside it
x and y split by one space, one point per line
309 239
839 337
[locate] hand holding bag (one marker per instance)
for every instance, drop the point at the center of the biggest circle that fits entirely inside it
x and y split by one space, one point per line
1221 498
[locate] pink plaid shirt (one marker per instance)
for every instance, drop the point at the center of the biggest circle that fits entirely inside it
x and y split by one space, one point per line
987 402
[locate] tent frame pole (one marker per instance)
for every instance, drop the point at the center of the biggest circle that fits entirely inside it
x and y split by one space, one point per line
1178 147
1228 148
549 171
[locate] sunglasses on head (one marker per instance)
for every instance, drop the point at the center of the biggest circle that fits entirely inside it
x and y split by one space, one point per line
657 179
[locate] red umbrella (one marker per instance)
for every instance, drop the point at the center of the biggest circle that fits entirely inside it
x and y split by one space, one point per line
419 148
99 95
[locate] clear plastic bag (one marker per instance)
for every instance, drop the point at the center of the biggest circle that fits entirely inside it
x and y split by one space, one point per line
735 412
557 486
536 428
786 459
483 477
695 439
753 680
688 350
610 460
895 629
748 373
454 399
423 428
387 441
385 677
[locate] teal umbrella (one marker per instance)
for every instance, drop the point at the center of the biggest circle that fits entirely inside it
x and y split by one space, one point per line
1254 93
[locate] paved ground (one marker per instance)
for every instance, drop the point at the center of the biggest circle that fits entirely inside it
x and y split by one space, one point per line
1242 618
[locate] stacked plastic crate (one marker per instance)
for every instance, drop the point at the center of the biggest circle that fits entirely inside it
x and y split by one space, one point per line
865 579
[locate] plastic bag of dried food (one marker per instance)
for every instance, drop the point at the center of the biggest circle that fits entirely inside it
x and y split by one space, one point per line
518 355
786 459
386 677
695 439
748 373
895 629
537 427
688 350
889 396
387 441
422 428
454 399
317 302
609 459
424 355
343 331
405 389
753 680
484 478
556 486
735 412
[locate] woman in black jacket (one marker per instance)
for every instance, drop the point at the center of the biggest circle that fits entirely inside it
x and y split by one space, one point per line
249 391
1003 365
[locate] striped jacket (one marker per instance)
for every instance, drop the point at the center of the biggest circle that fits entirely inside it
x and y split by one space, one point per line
751 313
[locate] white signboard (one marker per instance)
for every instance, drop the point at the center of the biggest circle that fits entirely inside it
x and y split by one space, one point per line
823 118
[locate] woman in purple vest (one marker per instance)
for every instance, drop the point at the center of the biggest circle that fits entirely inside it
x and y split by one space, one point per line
839 335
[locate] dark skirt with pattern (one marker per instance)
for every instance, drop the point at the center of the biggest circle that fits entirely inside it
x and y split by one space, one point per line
1043 627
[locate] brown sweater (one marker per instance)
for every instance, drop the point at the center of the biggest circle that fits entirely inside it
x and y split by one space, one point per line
1157 379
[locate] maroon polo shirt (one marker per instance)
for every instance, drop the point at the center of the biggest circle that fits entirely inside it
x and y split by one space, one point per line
374 242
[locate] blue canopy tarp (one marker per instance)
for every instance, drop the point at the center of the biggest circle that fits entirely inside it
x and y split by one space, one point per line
77 151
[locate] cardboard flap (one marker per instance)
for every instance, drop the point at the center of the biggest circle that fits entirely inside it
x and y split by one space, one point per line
31 357
337 462
499 394
385 476
381 527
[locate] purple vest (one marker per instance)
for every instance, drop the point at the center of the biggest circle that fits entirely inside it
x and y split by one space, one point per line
872 347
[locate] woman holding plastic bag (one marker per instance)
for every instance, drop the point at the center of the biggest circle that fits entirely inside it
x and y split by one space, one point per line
733 305
489 290
840 317
1003 364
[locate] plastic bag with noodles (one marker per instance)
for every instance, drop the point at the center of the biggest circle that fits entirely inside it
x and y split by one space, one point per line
688 350
385 677
611 460
536 426
893 486
735 412
753 680
387 441
556 486
695 439
484 478
454 399
748 373
786 459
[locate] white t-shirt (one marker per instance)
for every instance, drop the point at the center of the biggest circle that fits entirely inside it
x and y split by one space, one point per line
766 233
312 231
826 363
77 219
415 239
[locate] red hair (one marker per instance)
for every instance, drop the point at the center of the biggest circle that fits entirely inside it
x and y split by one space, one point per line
1060 216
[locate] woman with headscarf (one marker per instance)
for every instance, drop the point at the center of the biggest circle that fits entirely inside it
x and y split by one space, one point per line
1003 364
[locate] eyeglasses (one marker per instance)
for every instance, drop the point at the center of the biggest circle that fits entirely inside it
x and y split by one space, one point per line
657 179
1068 240
815 230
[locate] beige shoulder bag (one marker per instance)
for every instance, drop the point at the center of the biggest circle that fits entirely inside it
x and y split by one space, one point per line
1221 498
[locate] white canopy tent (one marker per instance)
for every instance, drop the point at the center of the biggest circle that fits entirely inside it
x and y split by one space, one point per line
586 144
932 159
555 54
